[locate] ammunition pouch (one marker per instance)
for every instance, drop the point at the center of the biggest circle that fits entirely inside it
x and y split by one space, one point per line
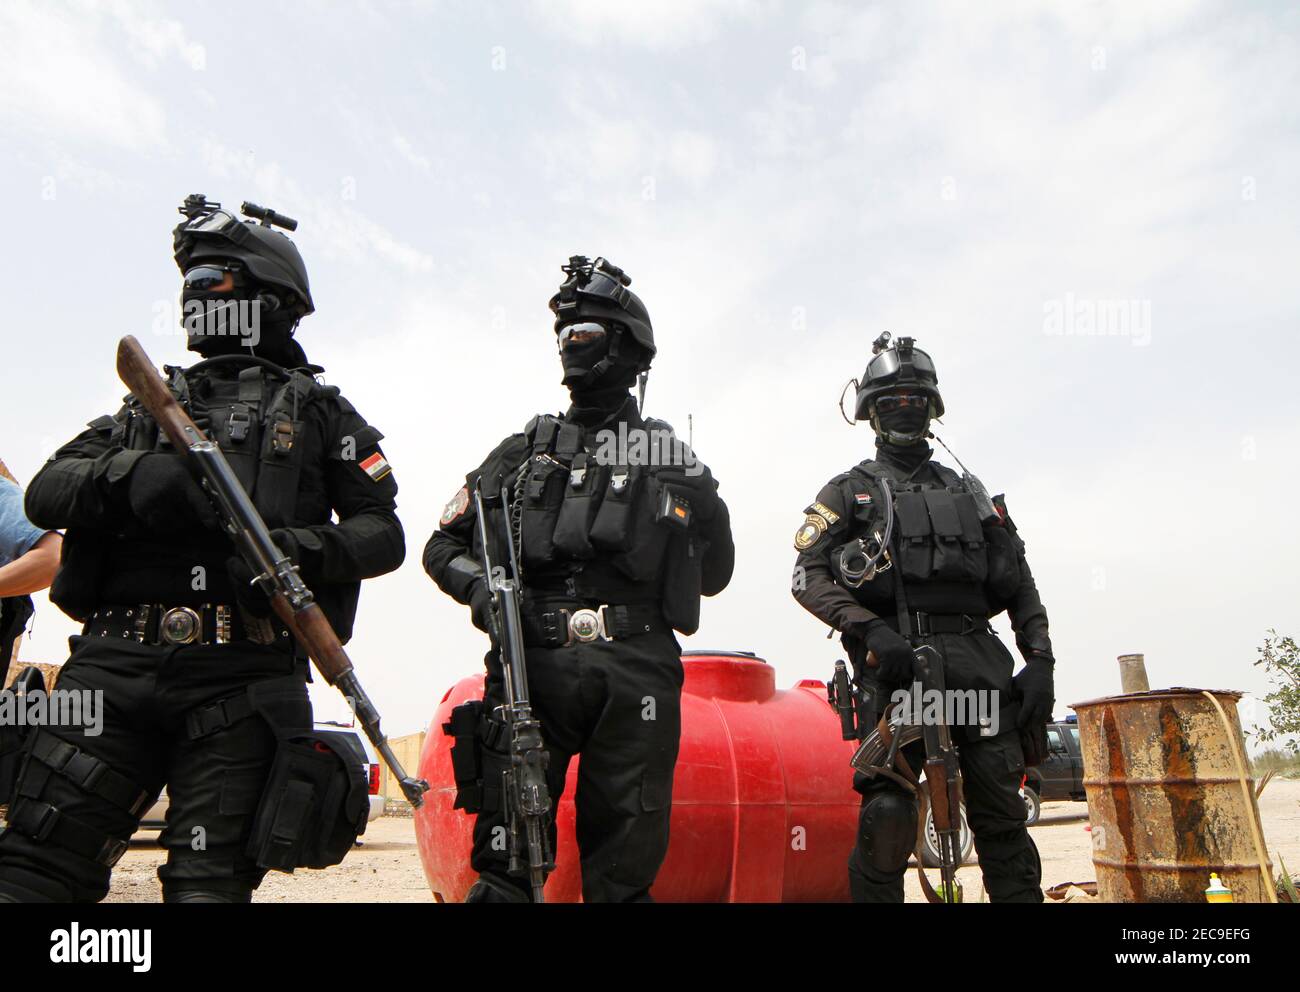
613 527
466 755
542 497
314 805
578 507
683 581
940 537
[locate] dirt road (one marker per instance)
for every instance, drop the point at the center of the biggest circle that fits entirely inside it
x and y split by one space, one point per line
386 868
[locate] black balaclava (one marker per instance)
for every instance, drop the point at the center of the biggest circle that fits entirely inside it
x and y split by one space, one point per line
902 428
598 394
252 319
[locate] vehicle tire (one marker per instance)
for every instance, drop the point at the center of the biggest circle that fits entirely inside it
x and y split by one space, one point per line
1033 806
930 840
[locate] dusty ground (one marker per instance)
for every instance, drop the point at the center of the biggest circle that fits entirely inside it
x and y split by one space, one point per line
386 868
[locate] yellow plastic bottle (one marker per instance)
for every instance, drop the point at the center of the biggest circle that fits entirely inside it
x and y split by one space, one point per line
1217 891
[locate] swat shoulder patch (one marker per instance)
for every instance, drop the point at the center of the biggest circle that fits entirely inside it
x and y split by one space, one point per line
814 526
457 505
818 519
824 511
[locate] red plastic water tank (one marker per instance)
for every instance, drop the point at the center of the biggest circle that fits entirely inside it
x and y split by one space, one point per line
763 806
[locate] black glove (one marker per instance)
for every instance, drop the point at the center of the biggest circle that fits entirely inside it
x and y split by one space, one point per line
1033 687
166 498
480 605
894 657
250 596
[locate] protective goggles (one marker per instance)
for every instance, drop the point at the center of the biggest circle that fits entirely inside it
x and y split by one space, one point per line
215 222
907 401
888 362
582 334
209 278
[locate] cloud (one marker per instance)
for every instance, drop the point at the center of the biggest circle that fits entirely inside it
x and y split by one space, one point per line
665 25
59 82
152 39
336 228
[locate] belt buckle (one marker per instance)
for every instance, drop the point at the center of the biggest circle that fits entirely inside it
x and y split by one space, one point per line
180 625
586 626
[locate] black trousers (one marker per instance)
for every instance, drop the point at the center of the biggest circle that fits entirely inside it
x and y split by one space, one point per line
991 768
618 704
214 774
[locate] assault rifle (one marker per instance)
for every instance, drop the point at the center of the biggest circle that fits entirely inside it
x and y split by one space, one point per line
879 755
274 572
528 799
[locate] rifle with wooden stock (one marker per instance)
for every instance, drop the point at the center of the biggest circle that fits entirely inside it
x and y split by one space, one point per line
274 572
880 755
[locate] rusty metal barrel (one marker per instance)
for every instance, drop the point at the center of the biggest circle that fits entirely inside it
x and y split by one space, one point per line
1165 797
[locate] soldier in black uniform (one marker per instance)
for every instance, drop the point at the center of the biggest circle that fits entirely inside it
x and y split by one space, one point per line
201 686
954 561
607 575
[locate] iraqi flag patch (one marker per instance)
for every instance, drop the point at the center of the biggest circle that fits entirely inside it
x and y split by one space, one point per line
862 499
376 466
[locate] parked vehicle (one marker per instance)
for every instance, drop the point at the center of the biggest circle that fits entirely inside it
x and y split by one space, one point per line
1060 776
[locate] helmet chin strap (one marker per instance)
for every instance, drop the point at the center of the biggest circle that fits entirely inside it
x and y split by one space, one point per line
902 440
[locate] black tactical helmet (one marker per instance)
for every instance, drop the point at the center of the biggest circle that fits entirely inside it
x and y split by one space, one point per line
271 258
897 365
598 291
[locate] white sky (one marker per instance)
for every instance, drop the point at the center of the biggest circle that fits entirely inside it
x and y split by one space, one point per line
783 182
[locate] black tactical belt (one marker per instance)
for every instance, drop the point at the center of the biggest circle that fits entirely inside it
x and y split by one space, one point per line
926 624
568 625
160 625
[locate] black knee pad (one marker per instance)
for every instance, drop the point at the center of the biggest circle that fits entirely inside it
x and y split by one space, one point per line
887 830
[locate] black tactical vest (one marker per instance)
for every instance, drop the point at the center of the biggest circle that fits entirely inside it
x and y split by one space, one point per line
255 418
587 528
938 542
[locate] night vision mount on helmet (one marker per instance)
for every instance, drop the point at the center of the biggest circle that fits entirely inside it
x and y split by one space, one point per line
210 232
896 366
597 291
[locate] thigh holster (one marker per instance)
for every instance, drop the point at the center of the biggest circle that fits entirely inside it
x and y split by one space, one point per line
473 733
31 814
315 804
